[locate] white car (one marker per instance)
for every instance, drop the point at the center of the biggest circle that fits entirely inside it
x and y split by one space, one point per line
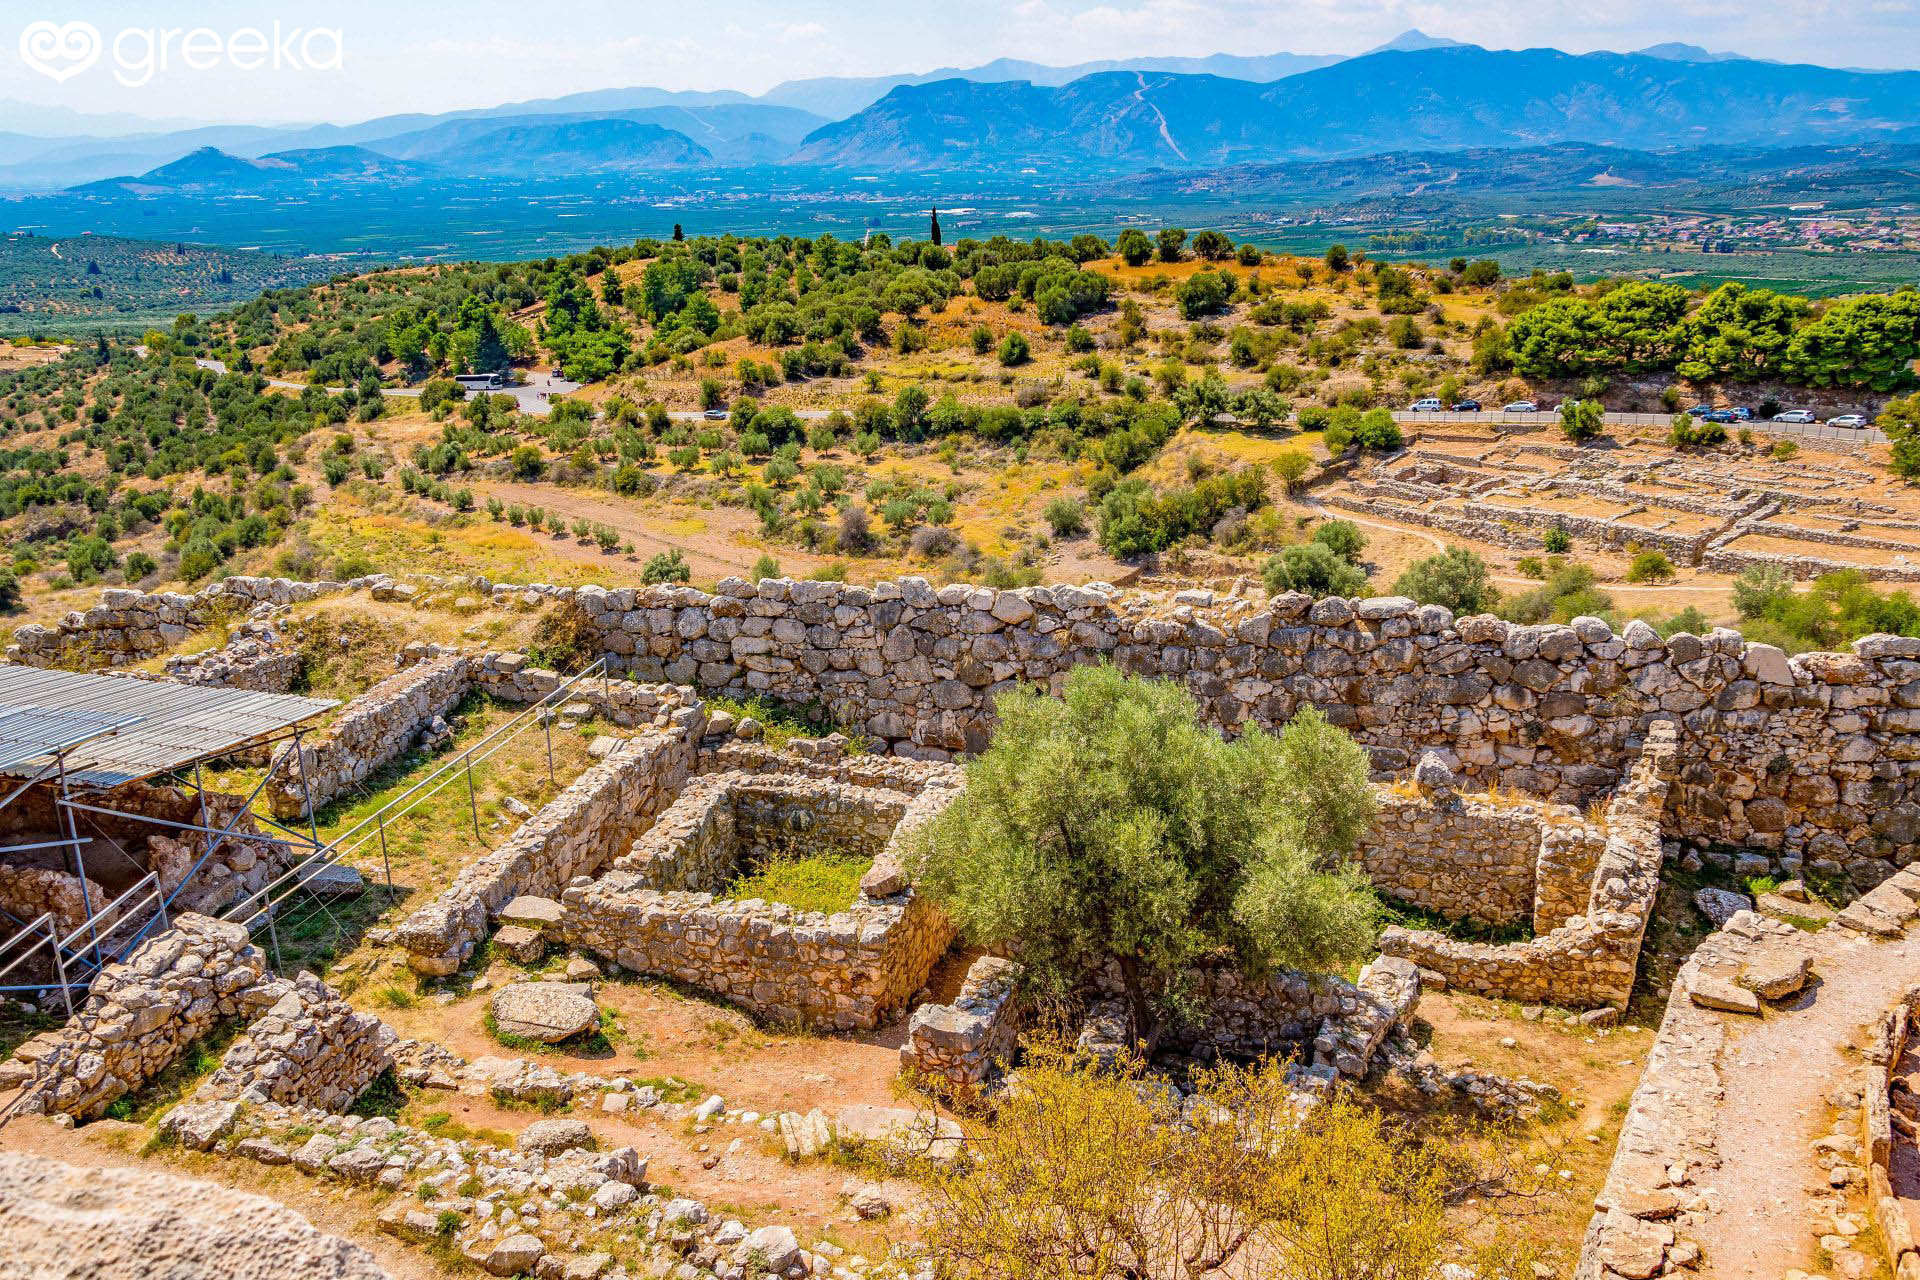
1522 406
1429 405
1857 421
1796 415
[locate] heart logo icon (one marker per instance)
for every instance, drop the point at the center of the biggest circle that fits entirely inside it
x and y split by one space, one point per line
60 52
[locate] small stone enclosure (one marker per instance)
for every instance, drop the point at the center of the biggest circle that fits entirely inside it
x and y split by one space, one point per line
656 909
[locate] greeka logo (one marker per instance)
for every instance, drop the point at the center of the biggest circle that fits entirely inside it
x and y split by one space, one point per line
60 52
138 54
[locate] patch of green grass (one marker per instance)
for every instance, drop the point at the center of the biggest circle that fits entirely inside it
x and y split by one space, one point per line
825 882
1409 916
384 1097
179 1078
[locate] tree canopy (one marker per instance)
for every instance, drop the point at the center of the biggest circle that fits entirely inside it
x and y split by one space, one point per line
1109 826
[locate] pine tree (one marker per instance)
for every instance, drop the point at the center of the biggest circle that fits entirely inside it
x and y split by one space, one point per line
936 226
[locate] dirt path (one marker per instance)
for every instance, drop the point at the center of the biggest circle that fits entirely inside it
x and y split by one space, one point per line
1440 544
1776 1080
714 549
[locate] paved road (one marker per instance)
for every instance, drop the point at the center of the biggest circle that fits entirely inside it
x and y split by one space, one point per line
535 395
536 398
1549 419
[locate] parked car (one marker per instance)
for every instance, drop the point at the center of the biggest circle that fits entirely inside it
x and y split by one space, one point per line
1522 406
1428 405
715 415
1700 411
1856 421
1466 406
1795 415
1719 415
1740 413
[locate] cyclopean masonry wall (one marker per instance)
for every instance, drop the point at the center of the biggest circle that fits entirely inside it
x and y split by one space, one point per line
141 1014
131 626
375 728
1805 757
575 834
1814 759
1590 959
308 1049
655 912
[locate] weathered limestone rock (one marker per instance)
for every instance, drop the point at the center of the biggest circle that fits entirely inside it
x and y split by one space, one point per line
128 1224
1711 992
1720 905
545 1011
552 1136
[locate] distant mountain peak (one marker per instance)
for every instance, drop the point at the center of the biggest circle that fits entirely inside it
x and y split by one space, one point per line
1676 51
1414 40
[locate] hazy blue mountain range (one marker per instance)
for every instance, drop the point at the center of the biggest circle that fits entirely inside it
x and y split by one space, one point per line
1418 94
1435 98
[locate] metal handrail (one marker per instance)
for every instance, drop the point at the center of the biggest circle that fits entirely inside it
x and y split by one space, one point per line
98 920
52 939
256 904
597 668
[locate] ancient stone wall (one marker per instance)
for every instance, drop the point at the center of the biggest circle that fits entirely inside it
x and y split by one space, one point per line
131 626
310 1048
1814 760
964 1045
1461 857
254 657
141 1014
371 731
847 971
656 912
1589 960
1805 757
576 834
27 893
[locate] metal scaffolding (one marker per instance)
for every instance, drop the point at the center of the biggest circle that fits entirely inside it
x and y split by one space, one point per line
86 737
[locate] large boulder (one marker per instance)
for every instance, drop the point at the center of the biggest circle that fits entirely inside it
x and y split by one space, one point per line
545 1011
551 1137
143 1224
1719 905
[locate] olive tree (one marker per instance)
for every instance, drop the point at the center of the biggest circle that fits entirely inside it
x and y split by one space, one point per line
1110 827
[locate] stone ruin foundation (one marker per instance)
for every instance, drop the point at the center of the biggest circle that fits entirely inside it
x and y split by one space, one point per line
656 911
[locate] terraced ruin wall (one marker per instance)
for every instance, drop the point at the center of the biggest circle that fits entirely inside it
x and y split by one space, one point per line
576 834
1811 759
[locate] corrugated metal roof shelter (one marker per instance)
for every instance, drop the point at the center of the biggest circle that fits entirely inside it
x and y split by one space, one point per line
141 727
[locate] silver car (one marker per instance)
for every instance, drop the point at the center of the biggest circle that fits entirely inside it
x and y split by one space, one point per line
1522 406
1856 421
1796 415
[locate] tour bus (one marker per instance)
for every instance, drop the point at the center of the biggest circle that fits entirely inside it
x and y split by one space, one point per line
471 382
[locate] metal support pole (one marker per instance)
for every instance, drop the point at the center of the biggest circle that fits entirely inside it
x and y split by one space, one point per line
546 722
79 863
380 821
273 936
60 968
306 793
473 799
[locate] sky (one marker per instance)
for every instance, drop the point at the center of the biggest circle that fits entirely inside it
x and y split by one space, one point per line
348 60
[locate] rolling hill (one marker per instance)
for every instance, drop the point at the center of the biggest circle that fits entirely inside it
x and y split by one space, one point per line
210 171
